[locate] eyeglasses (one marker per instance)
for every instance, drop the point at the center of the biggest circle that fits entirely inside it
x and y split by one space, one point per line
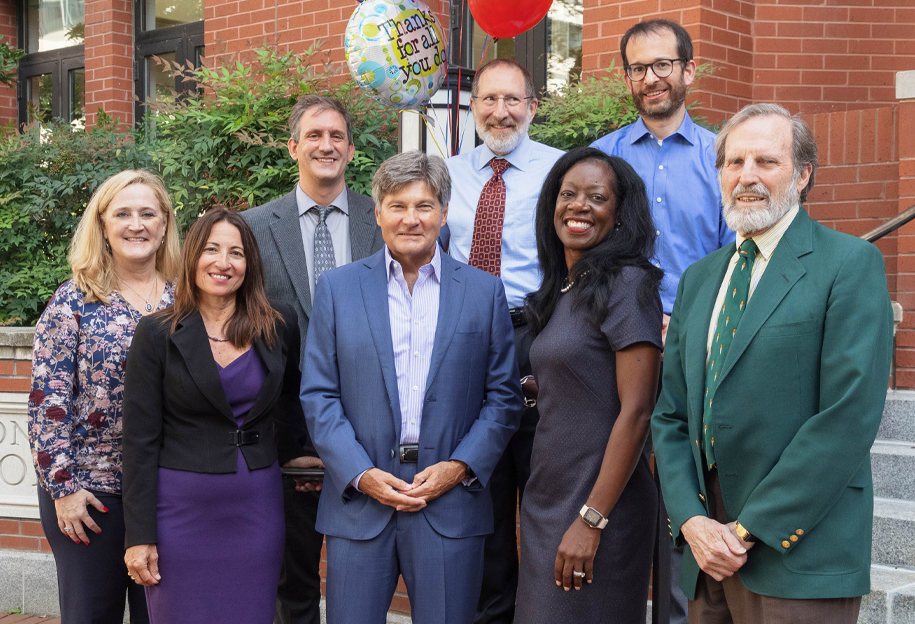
491 101
662 68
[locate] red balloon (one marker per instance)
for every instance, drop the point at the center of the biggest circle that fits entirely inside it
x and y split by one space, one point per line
503 19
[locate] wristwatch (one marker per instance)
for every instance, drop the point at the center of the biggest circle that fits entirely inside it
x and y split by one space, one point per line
593 517
743 534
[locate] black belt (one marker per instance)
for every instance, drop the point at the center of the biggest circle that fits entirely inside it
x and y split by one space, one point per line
518 318
409 453
241 438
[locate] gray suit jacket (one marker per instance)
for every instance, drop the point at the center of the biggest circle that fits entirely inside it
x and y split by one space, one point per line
276 227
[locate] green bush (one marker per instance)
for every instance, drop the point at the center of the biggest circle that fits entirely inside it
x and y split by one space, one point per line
584 110
47 176
228 146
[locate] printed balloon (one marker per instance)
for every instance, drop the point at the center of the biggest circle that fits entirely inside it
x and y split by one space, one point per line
395 52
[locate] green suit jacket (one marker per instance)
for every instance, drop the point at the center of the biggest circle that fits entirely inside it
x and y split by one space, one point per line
796 411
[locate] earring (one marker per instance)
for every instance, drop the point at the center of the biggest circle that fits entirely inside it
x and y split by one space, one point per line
107 246
163 241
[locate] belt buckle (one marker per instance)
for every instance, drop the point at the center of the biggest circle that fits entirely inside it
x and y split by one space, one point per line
409 453
241 438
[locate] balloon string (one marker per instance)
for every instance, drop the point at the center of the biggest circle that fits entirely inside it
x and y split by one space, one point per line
447 75
467 116
432 134
457 105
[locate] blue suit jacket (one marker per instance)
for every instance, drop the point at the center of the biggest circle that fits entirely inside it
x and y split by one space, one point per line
349 394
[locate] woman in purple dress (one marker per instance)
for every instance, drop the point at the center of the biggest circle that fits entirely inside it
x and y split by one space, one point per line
124 258
203 497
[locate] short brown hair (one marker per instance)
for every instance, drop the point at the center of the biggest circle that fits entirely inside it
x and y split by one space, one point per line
321 103
253 317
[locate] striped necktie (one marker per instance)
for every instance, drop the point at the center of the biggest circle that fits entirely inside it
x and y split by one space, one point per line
735 303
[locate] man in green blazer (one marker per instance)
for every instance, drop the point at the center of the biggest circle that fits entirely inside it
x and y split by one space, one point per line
775 376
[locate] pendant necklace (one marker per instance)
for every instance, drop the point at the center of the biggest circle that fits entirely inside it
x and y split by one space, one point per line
152 292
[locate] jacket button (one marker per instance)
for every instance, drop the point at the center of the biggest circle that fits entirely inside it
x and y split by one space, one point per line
800 531
393 454
786 544
793 538
702 498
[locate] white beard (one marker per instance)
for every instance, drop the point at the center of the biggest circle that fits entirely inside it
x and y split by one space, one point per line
503 144
757 220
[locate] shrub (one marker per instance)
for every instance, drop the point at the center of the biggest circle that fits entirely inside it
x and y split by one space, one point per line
47 176
583 111
228 145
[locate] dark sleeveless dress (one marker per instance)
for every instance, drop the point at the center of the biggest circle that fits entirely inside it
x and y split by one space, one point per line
220 535
575 365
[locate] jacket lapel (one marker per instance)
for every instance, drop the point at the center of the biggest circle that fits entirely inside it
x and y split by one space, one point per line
783 271
191 340
697 339
451 299
288 237
273 362
375 297
362 225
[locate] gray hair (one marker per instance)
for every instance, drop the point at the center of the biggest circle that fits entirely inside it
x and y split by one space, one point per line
803 144
504 62
321 103
402 169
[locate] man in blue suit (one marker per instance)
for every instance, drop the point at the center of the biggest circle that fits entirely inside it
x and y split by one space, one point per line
410 390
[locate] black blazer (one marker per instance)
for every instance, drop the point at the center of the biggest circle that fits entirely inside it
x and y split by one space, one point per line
176 414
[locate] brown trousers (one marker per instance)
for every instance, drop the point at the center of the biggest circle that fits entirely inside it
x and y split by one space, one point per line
729 602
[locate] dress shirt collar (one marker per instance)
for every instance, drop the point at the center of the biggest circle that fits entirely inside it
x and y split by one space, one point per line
306 203
519 157
393 268
768 240
687 129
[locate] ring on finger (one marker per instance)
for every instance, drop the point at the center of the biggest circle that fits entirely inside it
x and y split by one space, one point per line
578 574
68 530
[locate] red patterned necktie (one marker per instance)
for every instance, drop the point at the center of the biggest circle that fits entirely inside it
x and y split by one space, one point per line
486 248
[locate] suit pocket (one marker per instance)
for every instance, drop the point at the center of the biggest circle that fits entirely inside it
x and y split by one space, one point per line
797 328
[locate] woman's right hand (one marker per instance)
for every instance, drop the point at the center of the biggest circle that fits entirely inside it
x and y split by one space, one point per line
143 564
73 513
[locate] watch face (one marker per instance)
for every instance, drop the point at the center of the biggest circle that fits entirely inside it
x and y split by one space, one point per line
592 517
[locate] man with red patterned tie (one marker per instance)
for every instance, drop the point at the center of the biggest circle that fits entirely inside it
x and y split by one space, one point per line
493 203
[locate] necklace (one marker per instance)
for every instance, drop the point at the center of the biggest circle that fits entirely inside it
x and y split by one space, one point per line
217 339
151 293
567 285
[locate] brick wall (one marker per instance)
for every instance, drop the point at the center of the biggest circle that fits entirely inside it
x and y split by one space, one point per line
109 59
18 534
905 285
8 29
808 55
15 375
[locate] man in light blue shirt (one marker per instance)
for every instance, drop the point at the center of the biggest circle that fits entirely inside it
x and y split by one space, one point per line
503 106
676 160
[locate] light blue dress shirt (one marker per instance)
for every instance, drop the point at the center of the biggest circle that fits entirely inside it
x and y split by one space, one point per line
683 191
530 163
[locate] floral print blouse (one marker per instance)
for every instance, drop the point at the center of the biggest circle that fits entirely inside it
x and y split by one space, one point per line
78 364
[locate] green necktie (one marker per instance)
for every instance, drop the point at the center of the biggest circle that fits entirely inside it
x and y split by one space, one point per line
735 302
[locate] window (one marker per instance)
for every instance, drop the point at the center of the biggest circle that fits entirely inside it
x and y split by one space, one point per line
171 30
551 50
51 76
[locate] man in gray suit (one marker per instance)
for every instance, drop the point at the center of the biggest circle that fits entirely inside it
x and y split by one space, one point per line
318 226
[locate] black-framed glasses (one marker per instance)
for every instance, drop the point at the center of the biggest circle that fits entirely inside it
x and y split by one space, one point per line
491 101
662 68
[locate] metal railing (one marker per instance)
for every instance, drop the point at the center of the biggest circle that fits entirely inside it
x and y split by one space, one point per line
890 225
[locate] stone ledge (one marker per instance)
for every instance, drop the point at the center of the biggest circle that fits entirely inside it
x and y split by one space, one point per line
905 85
17 337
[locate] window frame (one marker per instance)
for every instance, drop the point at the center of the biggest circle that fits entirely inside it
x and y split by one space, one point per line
57 62
183 40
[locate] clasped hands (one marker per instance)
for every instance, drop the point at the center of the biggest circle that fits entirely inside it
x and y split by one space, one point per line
716 547
427 485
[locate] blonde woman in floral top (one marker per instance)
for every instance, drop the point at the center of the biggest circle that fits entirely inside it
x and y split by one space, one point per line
124 258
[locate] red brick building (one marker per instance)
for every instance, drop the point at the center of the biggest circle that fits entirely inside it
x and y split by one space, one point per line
836 61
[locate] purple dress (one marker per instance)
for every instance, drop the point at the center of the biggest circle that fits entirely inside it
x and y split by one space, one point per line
221 535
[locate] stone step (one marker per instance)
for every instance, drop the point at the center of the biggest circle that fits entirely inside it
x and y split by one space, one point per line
894 532
892 597
893 464
898 417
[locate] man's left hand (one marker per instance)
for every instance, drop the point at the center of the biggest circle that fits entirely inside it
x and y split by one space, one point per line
437 479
